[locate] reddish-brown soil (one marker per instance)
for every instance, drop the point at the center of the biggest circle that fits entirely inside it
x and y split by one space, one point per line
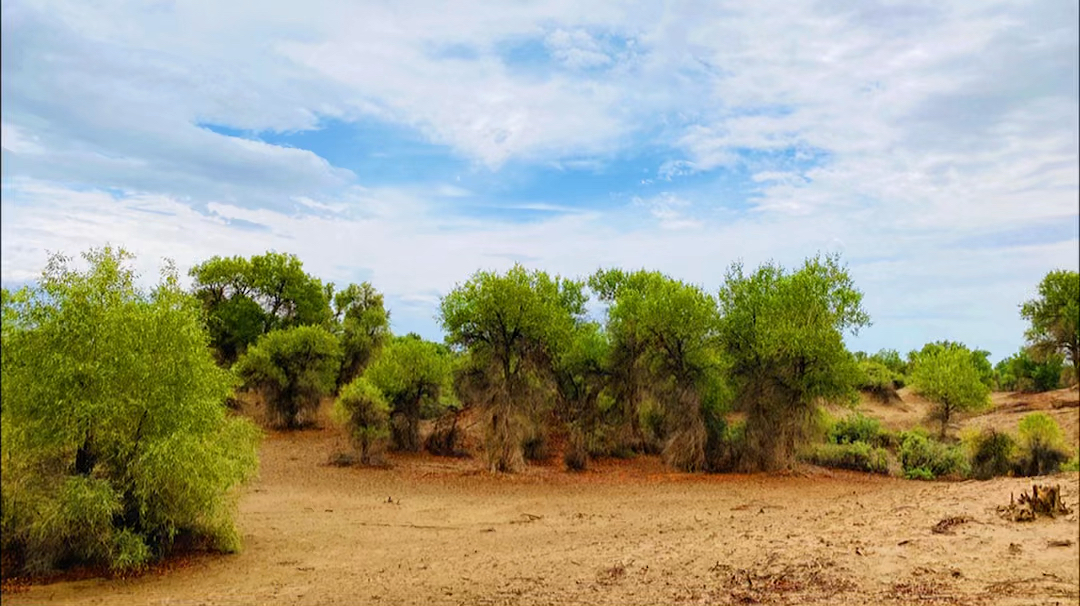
444 531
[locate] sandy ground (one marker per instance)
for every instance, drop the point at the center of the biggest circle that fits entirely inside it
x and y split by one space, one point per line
443 531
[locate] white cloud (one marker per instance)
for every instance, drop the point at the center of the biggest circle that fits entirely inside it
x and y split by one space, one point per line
896 129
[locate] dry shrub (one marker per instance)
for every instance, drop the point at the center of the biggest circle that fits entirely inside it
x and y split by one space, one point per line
504 434
447 439
576 455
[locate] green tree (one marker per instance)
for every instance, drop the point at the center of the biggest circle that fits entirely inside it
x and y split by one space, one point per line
511 325
1021 372
246 298
293 368
980 358
672 326
950 379
364 326
116 439
364 412
1055 318
783 336
409 373
580 374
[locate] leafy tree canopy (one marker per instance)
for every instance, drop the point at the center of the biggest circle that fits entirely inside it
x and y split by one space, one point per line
783 336
245 298
293 368
116 438
410 372
512 325
364 326
1055 318
949 377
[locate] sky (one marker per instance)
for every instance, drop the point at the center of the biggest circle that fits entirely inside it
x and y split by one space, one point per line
933 145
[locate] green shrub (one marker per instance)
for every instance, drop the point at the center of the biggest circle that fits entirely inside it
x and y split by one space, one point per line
856 456
990 453
365 414
1072 464
116 439
855 428
878 380
919 473
293 368
1042 445
920 455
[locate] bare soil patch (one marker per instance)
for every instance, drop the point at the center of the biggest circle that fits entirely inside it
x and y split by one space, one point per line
445 531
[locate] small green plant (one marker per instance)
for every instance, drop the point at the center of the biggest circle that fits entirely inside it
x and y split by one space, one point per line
856 456
921 456
365 414
990 452
855 428
1042 445
1072 464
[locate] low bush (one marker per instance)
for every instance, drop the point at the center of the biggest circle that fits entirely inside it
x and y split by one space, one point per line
856 456
1072 464
856 428
923 458
1042 445
365 414
990 452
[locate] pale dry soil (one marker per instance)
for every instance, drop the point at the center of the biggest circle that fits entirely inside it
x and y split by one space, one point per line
444 531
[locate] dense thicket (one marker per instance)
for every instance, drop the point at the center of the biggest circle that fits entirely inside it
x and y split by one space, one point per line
116 440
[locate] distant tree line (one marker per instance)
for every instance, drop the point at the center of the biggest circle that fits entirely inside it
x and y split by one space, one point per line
118 440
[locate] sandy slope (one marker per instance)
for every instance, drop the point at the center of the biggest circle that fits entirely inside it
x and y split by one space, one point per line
623 533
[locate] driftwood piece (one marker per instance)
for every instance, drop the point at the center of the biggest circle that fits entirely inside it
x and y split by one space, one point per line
1043 501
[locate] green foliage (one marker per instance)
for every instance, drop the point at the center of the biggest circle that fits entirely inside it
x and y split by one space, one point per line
856 456
949 377
664 333
923 458
1055 318
410 372
1042 445
246 298
293 368
580 371
512 326
980 358
782 334
855 428
364 327
1072 464
990 453
116 438
878 380
1022 372
365 414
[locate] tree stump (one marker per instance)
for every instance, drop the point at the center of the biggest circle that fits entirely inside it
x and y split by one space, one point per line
1043 501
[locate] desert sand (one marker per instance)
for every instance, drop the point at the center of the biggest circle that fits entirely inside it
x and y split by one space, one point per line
445 531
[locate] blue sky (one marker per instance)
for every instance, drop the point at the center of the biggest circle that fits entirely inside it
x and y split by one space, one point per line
933 145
